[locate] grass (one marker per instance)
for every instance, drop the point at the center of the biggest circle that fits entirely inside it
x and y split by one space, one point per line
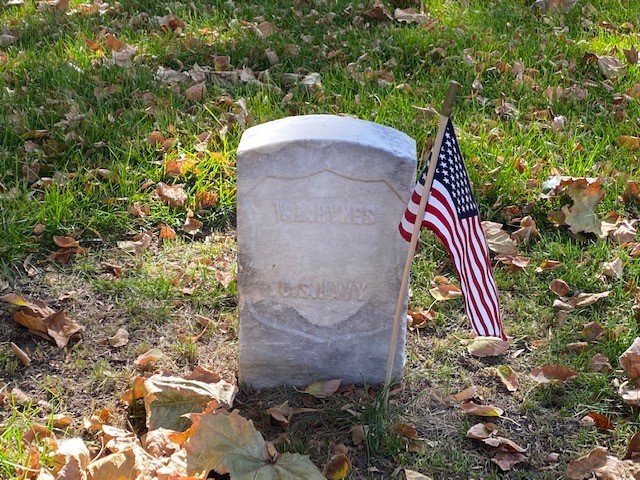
82 127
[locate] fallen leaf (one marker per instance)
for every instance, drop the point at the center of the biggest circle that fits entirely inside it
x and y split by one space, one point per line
20 355
471 408
598 420
631 55
120 338
591 331
508 377
468 393
480 431
167 233
196 92
230 443
526 232
136 246
610 66
553 374
168 399
192 225
323 388
206 199
359 434
337 468
148 357
633 449
73 456
65 242
630 396
578 347
600 363
559 287
630 360
498 240
507 460
172 195
624 233
584 466
406 430
413 475
445 292
613 269
581 217
488 346
629 142
410 15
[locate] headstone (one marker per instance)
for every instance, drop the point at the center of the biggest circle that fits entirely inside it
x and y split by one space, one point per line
320 258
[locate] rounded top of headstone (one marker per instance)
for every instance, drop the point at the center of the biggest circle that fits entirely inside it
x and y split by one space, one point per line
327 128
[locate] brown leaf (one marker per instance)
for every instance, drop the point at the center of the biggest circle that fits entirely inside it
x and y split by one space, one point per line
471 408
206 199
527 230
631 55
171 22
192 225
337 468
553 374
409 16
148 357
625 232
488 346
406 430
581 217
413 475
359 434
379 11
633 449
445 292
591 331
629 142
61 329
196 92
136 246
120 338
630 360
610 66
172 195
167 233
73 455
420 318
155 138
322 388
20 355
613 269
481 431
508 377
559 287
585 299
498 240
584 466
578 347
468 393
600 363
600 421
280 413
65 242
139 211
507 460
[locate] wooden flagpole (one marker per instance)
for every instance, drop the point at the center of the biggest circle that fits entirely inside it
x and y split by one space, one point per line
447 108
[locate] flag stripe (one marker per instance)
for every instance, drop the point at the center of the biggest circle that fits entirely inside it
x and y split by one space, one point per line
452 215
456 238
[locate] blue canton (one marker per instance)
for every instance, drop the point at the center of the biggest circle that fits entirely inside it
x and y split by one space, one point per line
451 173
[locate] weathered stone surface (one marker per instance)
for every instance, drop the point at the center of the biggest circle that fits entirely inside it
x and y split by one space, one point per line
319 254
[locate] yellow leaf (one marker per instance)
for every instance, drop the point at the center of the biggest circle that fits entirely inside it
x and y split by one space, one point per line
488 346
337 468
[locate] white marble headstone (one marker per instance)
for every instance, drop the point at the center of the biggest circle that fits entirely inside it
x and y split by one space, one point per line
320 258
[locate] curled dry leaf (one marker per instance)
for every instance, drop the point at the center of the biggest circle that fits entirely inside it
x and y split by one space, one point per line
413 475
445 292
584 466
20 355
337 468
560 287
406 430
196 92
578 347
527 230
120 338
480 431
471 408
613 269
600 421
591 331
148 357
488 346
507 460
192 225
498 240
508 377
323 388
629 142
136 247
600 363
467 394
629 395
630 360
172 195
167 233
65 242
553 374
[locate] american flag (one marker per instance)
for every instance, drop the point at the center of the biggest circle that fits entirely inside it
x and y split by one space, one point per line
452 215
